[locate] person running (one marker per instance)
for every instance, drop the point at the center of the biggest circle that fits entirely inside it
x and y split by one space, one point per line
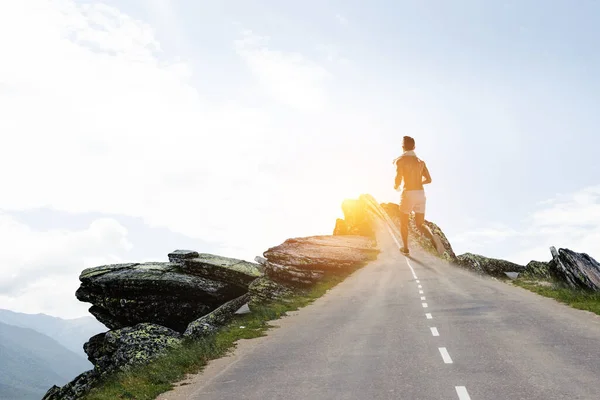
414 173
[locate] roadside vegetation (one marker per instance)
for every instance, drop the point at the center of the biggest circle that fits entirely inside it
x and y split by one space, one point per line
149 381
580 299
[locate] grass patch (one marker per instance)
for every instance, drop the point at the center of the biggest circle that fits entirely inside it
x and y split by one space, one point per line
580 299
150 380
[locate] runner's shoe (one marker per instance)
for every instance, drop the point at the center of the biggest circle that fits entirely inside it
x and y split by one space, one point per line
404 250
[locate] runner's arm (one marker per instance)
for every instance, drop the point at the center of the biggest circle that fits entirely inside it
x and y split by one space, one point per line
426 175
398 181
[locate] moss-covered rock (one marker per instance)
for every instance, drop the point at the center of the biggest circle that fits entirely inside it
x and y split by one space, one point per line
211 322
117 350
224 269
161 293
537 270
264 290
488 266
75 389
123 348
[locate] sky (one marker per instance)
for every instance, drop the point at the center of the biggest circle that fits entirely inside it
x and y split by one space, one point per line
132 128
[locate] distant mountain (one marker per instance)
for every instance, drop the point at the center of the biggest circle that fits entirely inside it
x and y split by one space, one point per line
30 363
71 333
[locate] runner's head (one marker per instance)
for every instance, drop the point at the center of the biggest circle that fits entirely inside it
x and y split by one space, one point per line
408 143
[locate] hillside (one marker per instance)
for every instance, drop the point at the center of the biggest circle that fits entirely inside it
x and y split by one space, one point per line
70 333
30 362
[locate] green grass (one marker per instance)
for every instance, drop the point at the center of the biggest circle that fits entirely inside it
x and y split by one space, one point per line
583 300
149 381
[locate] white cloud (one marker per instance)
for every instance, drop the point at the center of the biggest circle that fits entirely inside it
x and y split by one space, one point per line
96 120
567 220
290 78
39 269
341 19
110 127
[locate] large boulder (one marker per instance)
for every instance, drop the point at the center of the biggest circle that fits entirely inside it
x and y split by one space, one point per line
75 389
212 322
488 266
263 291
323 253
124 348
393 211
293 275
224 269
357 220
305 261
117 350
578 270
162 293
538 270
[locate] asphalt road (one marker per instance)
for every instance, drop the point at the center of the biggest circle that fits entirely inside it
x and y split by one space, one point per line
440 333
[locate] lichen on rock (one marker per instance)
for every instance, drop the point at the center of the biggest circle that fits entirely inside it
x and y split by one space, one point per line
162 293
264 290
225 269
212 322
489 266
124 348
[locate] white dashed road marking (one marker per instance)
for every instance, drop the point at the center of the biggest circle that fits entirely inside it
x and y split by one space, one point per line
411 269
462 393
423 298
445 355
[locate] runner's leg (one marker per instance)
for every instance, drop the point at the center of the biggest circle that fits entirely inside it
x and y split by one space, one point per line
419 221
404 229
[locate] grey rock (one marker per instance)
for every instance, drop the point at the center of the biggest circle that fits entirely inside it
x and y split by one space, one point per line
162 293
211 322
322 253
123 348
180 255
117 350
538 270
264 290
292 275
224 269
75 389
578 270
488 266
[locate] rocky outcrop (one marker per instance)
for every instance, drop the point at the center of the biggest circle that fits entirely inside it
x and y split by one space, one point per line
577 270
356 220
210 323
168 294
538 270
229 270
117 350
75 389
322 253
123 348
393 211
304 261
488 266
264 290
